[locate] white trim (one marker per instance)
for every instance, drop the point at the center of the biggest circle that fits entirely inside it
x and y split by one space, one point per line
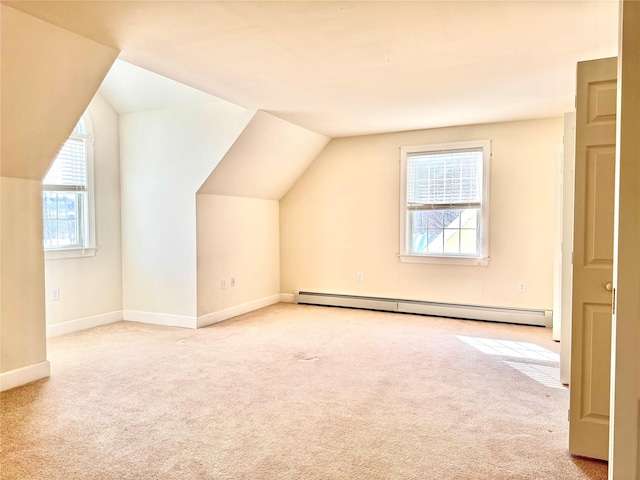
58 253
62 328
236 310
444 260
154 318
24 375
287 298
483 254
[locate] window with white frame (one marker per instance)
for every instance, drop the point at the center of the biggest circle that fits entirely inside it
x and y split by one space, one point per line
444 204
67 197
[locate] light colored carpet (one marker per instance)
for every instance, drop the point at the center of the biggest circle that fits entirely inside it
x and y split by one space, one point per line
292 392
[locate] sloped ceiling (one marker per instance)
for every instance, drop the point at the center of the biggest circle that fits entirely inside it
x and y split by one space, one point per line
41 98
129 88
266 159
347 68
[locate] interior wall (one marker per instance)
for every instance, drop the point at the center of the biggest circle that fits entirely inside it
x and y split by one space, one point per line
237 238
92 286
49 75
22 342
342 217
165 156
624 433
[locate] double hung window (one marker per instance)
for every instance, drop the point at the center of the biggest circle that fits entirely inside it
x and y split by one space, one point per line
444 201
67 197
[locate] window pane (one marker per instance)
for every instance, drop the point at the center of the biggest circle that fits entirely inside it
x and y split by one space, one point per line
51 233
72 204
435 218
68 232
436 238
62 223
50 205
468 241
452 232
469 218
451 240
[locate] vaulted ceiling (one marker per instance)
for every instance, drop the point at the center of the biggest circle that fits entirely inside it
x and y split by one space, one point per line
348 68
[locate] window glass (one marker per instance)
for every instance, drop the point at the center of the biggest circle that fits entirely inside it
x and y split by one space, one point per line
445 200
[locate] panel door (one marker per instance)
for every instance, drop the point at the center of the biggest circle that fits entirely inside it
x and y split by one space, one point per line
593 258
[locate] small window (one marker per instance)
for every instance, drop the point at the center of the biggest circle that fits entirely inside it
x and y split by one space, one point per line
67 197
444 202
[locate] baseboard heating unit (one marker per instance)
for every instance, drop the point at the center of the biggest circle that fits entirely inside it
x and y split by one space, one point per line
540 318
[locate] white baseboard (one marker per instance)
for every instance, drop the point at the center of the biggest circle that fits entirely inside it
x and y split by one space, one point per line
236 310
160 319
63 328
24 375
287 298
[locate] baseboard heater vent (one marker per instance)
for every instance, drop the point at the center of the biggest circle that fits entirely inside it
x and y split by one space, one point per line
541 318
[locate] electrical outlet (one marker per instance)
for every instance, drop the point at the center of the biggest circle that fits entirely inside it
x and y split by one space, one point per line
233 281
223 283
360 277
55 294
522 287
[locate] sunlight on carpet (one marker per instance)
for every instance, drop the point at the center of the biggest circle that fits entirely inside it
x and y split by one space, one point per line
509 348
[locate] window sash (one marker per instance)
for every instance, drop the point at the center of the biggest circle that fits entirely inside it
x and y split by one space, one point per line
445 177
74 224
442 206
69 170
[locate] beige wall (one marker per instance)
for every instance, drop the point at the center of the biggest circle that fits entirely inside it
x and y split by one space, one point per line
49 75
22 330
266 159
342 217
93 285
624 433
237 238
165 157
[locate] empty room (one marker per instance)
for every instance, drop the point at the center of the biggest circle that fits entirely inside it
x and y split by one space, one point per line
324 240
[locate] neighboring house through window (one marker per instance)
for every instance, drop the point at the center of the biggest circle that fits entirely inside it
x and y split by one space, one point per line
67 197
444 204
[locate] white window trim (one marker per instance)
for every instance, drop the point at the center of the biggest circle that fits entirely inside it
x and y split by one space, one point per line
89 249
483 258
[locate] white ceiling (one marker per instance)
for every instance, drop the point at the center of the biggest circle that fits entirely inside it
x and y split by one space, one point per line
129 88
348 68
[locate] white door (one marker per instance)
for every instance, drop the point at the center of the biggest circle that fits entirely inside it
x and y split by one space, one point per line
592 258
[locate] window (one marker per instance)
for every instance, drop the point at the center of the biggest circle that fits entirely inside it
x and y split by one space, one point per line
444 207
67 197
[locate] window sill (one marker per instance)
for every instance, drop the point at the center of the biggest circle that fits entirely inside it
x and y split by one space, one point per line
442 260
55 254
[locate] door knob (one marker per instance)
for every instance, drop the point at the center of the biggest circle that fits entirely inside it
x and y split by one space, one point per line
608 286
